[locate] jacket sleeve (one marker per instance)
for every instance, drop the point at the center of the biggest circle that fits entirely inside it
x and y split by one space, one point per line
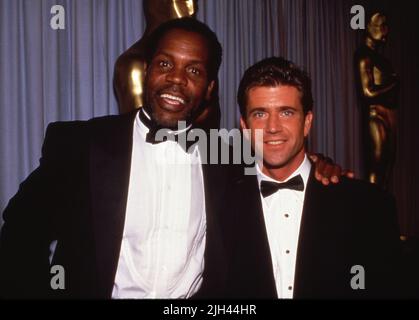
28 228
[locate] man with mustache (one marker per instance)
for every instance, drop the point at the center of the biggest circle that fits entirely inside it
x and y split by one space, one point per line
106 206
287 235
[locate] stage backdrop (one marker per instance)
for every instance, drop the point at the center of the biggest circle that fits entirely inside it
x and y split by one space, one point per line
56 75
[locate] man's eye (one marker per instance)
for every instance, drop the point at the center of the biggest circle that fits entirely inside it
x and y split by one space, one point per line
287 113
164 64
258 114
195 71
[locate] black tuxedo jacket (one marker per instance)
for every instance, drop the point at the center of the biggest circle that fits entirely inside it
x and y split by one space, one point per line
78 197
343 225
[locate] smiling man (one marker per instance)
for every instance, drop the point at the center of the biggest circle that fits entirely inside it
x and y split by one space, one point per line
107 208
289 236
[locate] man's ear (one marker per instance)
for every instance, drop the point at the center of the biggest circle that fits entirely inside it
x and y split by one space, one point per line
243 124
308 119
210 89
245 129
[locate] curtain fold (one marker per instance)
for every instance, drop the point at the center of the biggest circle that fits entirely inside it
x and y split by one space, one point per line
51 75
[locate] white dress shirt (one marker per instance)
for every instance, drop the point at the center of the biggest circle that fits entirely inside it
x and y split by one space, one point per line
162 250
282 213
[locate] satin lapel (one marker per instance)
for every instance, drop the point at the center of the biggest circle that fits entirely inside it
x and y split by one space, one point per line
110 163
313 240
215 265
254 246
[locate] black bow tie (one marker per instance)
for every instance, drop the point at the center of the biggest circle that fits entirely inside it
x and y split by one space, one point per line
269 187
166 134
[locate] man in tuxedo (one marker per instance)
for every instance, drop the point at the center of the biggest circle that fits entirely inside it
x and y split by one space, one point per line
105 206
288 235
126 223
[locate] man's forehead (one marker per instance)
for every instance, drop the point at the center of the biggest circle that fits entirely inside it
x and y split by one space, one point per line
274 96
179 34
183 44
274 90
180 55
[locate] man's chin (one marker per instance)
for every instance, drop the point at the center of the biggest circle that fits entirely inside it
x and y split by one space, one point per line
171 123
275 163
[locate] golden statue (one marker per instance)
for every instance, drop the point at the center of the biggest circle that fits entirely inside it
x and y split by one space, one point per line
130 66
378 90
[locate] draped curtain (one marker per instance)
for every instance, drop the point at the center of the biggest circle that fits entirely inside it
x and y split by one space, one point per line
57 75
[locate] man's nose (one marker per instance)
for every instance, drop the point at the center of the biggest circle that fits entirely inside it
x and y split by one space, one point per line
273 124
177 76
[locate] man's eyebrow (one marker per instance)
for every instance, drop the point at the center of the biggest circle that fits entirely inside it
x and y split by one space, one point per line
162 53
171 56
286 108
258 109
281 108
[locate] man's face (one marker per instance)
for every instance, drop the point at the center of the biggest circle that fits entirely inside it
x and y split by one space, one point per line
279 113
176 82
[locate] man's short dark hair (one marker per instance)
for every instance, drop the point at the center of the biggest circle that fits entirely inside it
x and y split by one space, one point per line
272 72
191 25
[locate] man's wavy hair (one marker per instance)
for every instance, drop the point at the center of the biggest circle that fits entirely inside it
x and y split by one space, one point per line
272 72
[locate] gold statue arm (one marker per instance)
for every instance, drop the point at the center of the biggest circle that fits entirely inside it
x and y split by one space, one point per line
129 82
369 88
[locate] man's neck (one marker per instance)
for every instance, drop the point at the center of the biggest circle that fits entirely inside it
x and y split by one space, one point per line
284 172
150 123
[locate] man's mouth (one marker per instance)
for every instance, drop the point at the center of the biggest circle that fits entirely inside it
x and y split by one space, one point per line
172 99
275 142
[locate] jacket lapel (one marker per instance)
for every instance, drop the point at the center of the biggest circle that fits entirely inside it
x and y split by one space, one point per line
110 163
215 256
305 245
252 244
318 244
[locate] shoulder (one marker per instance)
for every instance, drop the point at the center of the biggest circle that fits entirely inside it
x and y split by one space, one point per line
356 199
361 189
73 129
69 135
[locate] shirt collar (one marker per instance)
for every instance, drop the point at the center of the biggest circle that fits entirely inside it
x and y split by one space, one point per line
141 130
144 129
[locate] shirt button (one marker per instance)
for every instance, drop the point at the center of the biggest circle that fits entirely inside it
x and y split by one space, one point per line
290 288
287 251
286 215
